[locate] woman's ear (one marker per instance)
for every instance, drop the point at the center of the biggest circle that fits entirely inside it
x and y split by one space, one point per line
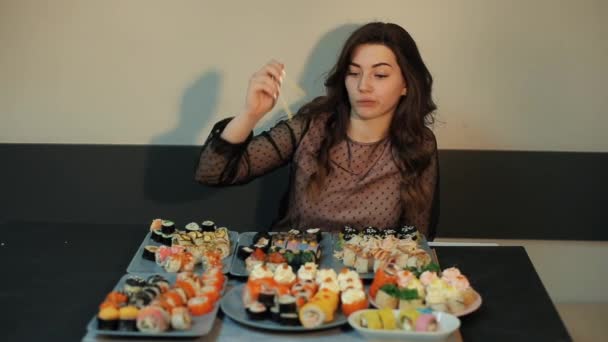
404 91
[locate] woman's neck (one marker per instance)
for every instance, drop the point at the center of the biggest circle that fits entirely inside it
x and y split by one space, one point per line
368 130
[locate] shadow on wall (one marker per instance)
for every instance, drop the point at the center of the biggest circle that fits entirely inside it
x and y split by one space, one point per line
318 64
169 169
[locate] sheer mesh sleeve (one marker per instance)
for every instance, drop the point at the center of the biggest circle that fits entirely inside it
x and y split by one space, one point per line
427 218
224 163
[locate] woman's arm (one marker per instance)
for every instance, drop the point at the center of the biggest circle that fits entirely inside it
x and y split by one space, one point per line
225 163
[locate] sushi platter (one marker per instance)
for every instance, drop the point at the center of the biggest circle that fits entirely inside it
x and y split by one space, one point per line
232 306
189 249
308 299
294 248
153 305
364 251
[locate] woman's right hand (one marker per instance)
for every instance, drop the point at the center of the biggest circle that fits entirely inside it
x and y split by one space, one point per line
264 89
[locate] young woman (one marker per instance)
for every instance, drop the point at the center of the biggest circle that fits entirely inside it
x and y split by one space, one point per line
362 155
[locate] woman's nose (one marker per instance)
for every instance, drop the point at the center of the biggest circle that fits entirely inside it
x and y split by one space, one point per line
364 84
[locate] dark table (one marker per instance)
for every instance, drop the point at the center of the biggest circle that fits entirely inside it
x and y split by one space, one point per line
56 275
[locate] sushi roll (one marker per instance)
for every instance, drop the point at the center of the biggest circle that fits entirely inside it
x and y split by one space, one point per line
159 281
316 233
350 255
311 315
166 239
133 284
261 240
266 297
347 233
364 262
141 299
128 318
222 234
290 319
208 226
387 317
257 311
157 224
371 231
168 227
244 252
426 323
107 318
199 306
386 297
294 232
353 300
389 232
153 290
371 320
193 227
287 304
157 235
407 233
180 319
152 319
149 252
275 314
279 240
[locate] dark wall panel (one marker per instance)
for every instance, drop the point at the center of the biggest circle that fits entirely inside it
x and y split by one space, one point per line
484 194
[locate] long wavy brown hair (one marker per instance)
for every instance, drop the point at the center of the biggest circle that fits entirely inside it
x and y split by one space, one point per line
407 132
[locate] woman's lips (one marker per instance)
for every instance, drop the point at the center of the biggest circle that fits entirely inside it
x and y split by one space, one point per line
366 103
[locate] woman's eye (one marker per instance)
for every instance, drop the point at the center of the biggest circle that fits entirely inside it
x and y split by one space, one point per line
352 73
381 76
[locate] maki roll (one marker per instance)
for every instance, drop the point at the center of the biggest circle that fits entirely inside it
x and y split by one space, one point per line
133 284
275 314
107 318
407 232
208 226
149 252
193 227
266 297
294 232
244 252
290 318
141 299
166 239
158 281
168 227
199 306
180 319
316 233
157 235
348 232
256 311
222 234
287 304
261 240
389 232
279 240
128 318
371 231
152 319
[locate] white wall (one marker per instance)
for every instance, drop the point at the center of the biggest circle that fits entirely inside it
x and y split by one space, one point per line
520 74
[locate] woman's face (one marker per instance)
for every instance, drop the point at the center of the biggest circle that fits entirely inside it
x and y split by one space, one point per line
374 82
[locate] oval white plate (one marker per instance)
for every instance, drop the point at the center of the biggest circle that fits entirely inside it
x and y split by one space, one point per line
471 308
